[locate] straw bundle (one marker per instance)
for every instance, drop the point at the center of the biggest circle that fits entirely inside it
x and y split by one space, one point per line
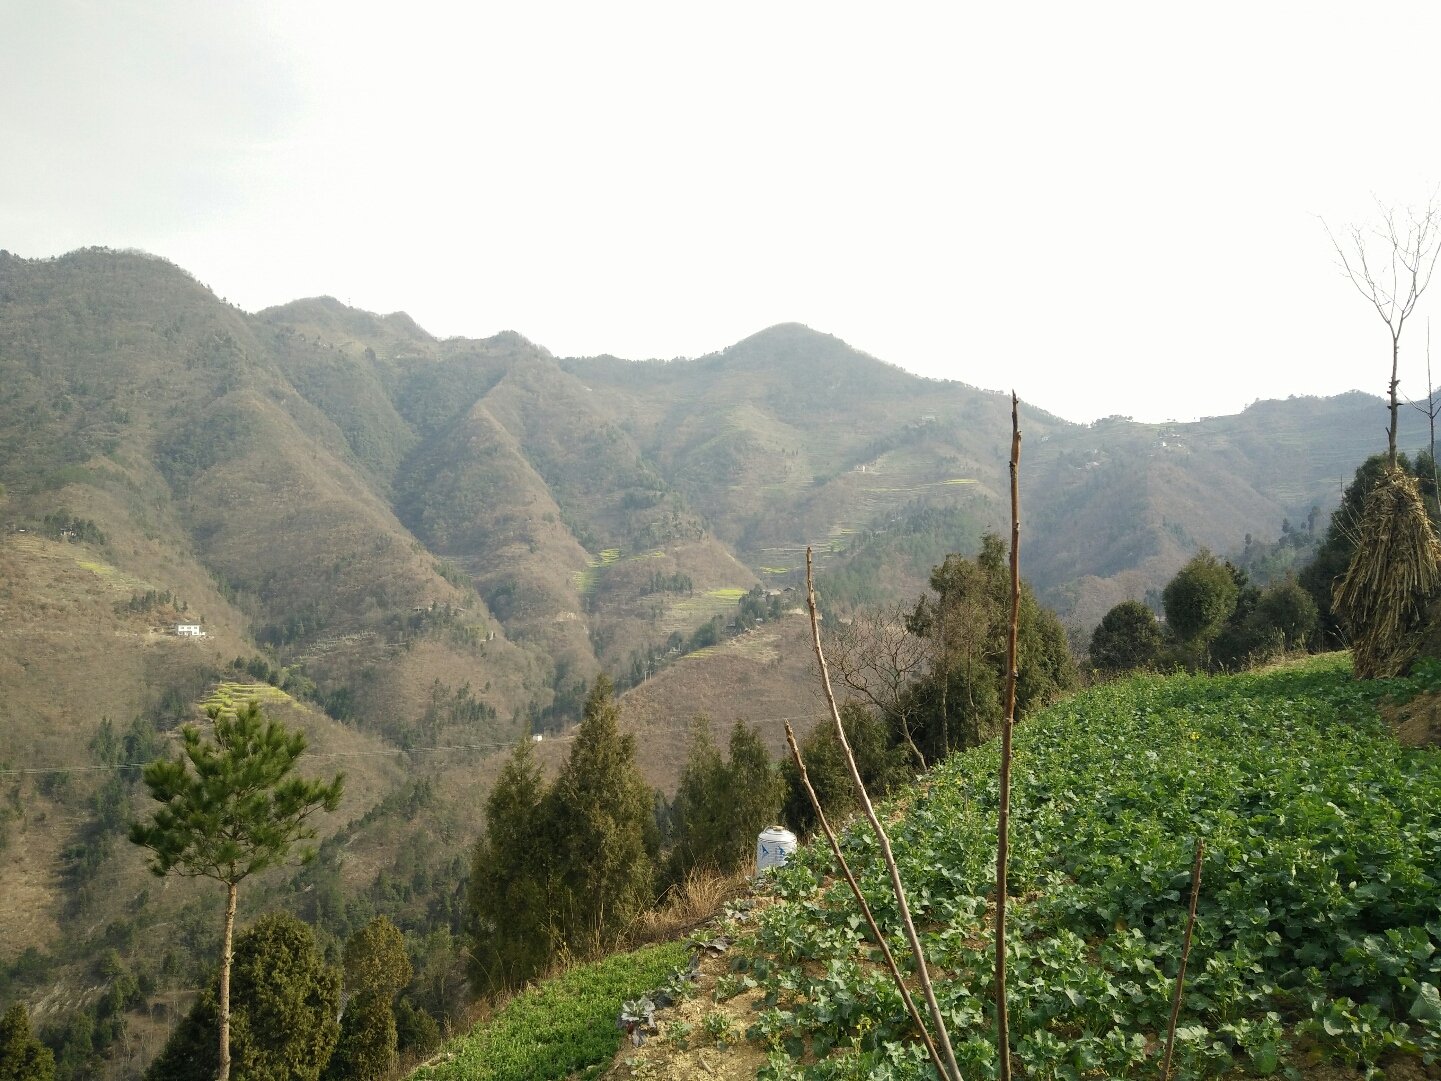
1381 599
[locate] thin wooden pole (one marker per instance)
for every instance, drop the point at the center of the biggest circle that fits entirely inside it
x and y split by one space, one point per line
845 867
1185 953
1003 823
947 1067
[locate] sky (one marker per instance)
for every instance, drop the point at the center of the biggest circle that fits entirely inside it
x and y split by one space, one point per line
1111 208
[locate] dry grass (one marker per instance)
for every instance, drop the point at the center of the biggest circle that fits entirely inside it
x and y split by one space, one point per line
763 677
1396 567
692 903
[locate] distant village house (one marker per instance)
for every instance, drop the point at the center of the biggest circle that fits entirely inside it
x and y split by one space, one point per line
189 630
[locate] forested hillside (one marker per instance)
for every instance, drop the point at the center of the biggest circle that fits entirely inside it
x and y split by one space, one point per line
421 550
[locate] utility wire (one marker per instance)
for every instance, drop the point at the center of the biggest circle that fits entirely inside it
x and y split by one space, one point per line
351 754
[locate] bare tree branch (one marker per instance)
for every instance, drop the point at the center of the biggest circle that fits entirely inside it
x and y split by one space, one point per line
1185 955
1412 249
878 659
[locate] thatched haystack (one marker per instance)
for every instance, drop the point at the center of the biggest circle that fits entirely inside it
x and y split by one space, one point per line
1382 598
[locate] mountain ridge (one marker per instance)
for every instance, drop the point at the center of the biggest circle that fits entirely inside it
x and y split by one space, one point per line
435 543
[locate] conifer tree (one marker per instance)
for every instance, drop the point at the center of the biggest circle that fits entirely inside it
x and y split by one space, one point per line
286 999
756 792
234 812
510 928
722 803
600 811
22 1056
563 869
700 805
376 968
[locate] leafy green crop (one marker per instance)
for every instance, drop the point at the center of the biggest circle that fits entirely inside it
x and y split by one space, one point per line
1319 922
565 1027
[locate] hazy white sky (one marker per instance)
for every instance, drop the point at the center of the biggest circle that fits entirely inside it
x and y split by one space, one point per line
1111 208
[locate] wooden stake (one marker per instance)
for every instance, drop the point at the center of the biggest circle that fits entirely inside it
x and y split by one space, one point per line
1003 824
1185 953
948 1067
896 976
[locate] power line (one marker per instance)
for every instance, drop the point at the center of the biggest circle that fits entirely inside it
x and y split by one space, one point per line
309 754
41 770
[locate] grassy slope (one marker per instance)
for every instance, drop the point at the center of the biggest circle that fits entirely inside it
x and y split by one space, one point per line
564 1027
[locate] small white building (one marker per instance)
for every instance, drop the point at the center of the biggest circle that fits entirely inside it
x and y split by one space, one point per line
189 630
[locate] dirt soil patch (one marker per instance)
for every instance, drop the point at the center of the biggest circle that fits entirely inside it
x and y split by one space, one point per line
1417 723
698 1037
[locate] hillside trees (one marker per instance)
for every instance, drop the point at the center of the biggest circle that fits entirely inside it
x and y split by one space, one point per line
235 811
22 1056
510 926
877 657
883 765
1199 600
722 802
376 968
1289 608
966 623
564 868
605 858
1216 620
283 1015
1128 637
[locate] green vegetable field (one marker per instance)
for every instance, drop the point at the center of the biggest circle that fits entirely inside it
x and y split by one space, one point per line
1318 935
564 1027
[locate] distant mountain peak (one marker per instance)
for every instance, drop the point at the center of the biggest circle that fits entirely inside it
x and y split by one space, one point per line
329 312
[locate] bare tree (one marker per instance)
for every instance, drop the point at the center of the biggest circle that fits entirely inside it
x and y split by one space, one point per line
1432 408
878 658
1390 264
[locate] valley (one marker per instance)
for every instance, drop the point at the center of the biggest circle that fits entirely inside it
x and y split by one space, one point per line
421 550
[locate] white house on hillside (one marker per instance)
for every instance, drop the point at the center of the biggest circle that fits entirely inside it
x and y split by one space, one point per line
189 630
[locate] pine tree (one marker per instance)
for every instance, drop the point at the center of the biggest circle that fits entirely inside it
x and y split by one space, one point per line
376 968
22 1056
700 805
235 812
285 1001
722 804
756 791
510 928
604 833
562 870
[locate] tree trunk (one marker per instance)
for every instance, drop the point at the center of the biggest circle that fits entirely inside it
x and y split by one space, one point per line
945 682
223 1074
1391 431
